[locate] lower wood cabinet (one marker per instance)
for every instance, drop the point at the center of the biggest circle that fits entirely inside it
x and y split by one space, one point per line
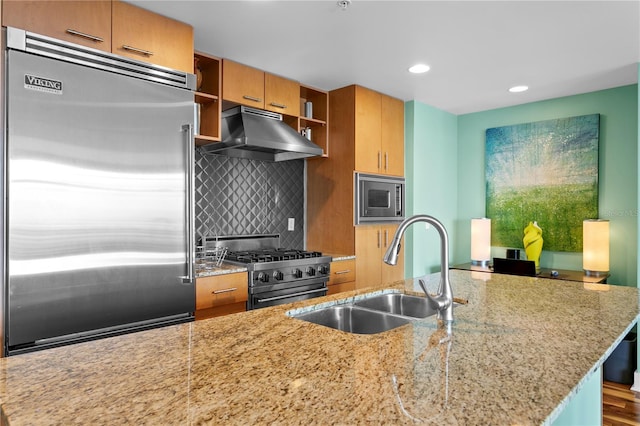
372 242
221 295
343 276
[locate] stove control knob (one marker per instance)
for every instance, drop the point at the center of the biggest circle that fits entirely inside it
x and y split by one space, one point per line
311 271
323 269
263 277
277 275
297 273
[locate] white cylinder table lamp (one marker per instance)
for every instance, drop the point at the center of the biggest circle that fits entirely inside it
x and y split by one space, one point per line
595 247
480 241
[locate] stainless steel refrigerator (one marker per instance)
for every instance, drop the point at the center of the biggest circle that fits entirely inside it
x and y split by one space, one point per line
98 183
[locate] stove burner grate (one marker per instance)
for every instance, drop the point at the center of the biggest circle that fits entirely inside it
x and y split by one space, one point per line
270 255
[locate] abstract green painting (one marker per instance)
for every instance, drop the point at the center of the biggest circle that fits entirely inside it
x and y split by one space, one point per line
546 171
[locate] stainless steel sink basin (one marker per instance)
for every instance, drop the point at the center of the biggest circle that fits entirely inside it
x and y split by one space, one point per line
353 319
399 304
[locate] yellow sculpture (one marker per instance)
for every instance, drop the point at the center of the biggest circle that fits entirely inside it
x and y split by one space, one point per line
533 243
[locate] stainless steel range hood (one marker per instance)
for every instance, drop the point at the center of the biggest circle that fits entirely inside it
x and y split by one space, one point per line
260 135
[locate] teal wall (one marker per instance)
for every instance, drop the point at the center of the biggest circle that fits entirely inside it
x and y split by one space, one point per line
432 182
445 174
618 172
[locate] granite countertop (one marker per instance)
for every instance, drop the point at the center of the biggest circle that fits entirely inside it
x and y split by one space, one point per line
519 349
210 268
341 257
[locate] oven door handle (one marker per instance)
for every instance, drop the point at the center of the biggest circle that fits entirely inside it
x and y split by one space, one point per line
286 296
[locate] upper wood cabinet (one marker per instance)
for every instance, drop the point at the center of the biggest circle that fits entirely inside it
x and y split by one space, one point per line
111 26
281 95
379 133
252 87
82 22
368 107
242 84
146 36
392 135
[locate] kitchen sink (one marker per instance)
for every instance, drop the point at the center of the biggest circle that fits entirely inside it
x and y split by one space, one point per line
399 304
354 319
373 314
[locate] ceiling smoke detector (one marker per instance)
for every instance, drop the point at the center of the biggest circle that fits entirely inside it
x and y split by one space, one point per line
343 4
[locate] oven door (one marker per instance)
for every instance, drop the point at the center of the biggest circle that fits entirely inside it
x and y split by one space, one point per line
279 294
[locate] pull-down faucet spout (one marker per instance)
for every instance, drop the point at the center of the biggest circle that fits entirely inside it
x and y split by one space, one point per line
443 301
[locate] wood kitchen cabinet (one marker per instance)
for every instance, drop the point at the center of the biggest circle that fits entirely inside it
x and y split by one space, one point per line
82 22
252 87
242 84
355 118
146 36
392 136
367 137
372 242
342 277
379 132
221 295
281 95
111 26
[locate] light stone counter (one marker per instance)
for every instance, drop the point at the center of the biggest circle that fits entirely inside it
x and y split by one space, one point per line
341 257
520 348
209 268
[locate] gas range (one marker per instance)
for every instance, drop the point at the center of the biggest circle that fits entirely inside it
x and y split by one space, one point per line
276 275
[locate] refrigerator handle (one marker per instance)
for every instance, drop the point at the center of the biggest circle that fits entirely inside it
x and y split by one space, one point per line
187 129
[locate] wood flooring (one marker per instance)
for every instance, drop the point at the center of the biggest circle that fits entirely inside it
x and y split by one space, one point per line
620 405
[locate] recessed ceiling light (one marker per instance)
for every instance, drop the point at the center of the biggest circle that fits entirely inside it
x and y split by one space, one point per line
517 89
419 68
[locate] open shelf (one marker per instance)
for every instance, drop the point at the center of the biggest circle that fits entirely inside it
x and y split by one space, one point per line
208 97
318 121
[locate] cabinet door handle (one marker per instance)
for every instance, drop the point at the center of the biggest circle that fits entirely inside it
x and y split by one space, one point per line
386 161
283 106
378 238
252 98
386 237
346 271
85 35
224 290
379 159
136 50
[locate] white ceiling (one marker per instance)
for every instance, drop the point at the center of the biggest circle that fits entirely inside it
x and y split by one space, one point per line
476 49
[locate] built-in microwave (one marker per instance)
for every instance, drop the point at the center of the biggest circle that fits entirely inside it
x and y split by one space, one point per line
378 198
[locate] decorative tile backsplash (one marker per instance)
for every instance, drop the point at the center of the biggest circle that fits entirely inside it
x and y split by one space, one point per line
237 196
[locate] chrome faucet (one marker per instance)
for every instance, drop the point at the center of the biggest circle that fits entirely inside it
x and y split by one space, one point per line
443 301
